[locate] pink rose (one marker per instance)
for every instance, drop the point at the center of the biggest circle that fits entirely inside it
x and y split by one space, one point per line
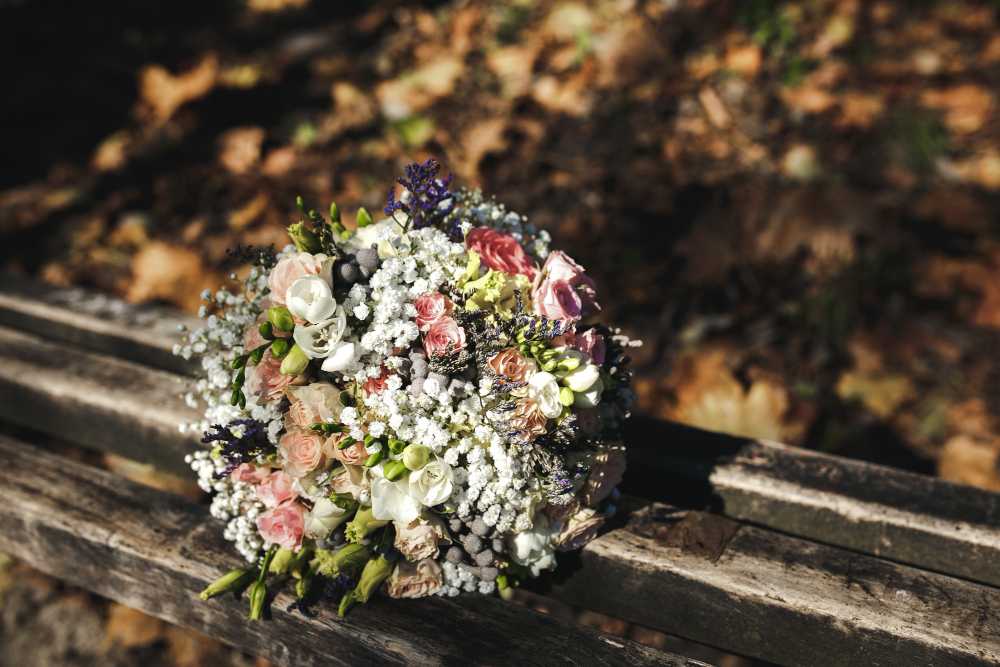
283 525
562 291
354 455
377 384
590 342
444 336
276 489
500 251
302 452
431 307
266 381
249 474
290 269
606 472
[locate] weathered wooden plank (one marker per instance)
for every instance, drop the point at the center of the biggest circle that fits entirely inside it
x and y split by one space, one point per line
95 400
906 517
95 321
910 518
154 552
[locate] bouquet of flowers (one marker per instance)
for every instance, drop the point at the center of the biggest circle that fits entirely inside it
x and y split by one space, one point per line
413 405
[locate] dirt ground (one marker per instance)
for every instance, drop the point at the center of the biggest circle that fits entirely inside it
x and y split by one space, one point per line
793 203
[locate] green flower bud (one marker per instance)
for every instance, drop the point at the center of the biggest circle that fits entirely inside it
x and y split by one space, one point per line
566 396
304 238
504 588
396 446
375 458
349 559
362 525
258 596
280 318
281 561
569 363
234 399
334 212
234 580
347 399
280 347
376 571
416 457
257 354
363 218
346 442
344 501
266 330
394 470
295 361
239 362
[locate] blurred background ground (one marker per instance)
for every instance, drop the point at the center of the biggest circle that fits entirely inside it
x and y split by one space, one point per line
793 203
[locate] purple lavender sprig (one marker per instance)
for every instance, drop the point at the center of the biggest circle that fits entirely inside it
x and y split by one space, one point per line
236 449
427 199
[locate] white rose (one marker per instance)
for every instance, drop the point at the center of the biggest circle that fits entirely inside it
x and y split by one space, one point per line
543 389
591 397
391 501
341 356
323 518
583 377
310 299
319 340
533 548
432 484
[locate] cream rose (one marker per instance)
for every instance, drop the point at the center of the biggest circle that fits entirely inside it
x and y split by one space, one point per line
415 580
579 529
533 548
432 484
302 452
543 389
420 538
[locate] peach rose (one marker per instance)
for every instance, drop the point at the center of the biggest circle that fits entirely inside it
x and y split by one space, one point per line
353 481
500 252
431 307
276 489
528 420
266 381
290 269
415 580
302 452
443 337
606 471
354 455
579 529
420 538
283 525
312 404
249 473
509 364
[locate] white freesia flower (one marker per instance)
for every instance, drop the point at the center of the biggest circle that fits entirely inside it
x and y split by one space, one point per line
582 377
323 518
319 340
543 389
341 356
533 548
591 397
392 500
310 299
432 484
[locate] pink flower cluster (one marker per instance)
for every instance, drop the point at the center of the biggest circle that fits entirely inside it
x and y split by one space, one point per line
284 521
442 333
562 291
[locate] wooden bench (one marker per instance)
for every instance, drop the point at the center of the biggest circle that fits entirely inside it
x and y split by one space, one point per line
759 549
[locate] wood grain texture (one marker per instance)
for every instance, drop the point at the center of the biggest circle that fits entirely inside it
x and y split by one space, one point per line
95 321
877 510
910 518
154 552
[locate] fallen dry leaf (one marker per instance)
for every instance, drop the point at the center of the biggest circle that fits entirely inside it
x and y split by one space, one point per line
130 628
966 107
239 148
164 92
966 460
477 142
172 273
418 89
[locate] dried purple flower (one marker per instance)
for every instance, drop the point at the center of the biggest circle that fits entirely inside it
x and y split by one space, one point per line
427 199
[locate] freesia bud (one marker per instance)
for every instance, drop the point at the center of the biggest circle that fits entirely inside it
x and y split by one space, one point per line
394 470
233 580
280 318
566 396
304 238
280 562
364 218
363 524
258 596
295 361
347 560
279 347
334 212
376 571
415 457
